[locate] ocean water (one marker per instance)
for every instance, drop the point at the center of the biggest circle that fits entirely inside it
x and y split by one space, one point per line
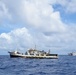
64 65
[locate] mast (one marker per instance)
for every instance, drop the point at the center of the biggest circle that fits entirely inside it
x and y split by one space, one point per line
49 51
35 47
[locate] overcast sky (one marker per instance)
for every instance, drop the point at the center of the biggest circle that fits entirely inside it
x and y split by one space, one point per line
48 24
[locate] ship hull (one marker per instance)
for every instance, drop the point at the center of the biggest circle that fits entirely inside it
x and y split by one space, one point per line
34 57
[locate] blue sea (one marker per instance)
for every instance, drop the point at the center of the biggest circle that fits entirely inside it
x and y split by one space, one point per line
64 65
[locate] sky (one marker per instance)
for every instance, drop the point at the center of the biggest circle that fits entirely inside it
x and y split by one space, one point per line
48 24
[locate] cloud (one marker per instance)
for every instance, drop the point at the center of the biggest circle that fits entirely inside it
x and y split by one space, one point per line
67 5
40 15
22 39
71 7
36 22
19 38
4 14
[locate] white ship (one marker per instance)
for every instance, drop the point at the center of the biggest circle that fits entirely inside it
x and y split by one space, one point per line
33 53
72 54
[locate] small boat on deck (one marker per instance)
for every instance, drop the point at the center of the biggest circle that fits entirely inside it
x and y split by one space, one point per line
33 53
